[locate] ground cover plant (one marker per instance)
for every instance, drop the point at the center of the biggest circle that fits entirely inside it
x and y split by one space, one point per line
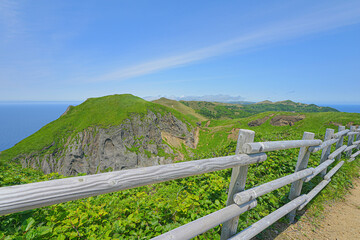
145 212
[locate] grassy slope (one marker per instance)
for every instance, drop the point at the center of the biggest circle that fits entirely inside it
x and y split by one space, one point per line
217 110
215 136
180 108
151 210
104 111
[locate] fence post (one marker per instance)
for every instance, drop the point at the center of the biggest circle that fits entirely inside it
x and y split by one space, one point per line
326 151
340 142
358 137
237 183
301 164
350 140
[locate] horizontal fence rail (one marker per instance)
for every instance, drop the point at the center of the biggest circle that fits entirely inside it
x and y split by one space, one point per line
337 152
333 170
341 133
319 169
257 147
267 221
265 188
323 145
208 222
30 196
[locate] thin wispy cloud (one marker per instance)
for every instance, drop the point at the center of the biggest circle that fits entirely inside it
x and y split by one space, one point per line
314 22
9 19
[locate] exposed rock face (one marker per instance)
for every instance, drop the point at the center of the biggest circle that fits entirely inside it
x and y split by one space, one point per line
258 122
138 141
285 120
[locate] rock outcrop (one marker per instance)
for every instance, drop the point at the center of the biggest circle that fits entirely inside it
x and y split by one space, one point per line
138 141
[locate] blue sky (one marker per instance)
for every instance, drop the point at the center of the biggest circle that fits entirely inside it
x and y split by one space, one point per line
306 51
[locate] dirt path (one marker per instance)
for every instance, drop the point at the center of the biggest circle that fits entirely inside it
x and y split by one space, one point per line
340 221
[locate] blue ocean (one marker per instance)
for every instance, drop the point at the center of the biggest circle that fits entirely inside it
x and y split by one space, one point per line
20 120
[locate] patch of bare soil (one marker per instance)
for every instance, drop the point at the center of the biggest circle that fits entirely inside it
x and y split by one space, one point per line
258 122
170 139
207 123
234 134
340 221
196 137
339 124
285 120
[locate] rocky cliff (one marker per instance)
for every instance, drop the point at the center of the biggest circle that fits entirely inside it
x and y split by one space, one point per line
140 140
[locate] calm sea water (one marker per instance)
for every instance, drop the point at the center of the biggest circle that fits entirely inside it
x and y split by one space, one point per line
20 120
346 108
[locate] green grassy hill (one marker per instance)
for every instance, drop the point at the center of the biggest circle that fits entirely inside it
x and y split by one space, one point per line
148 211
180 108
103 112
216 110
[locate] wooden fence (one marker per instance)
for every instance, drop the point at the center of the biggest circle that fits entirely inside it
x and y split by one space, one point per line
34 195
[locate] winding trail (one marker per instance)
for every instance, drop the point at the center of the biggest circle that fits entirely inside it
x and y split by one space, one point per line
340 221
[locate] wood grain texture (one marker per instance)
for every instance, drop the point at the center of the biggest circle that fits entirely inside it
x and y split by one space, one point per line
342 131
201 225
301 164
340 135
333 170
326 151
350 141
349 148
34 195
278 145
319 169
267 221
324 145
351 133
337 152
237 183
265 188
355 154
315 191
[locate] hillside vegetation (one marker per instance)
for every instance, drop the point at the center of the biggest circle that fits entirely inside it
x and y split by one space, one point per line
186 110
101 112
215 110
146 212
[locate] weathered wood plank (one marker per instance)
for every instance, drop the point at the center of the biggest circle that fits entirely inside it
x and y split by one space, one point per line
326 152
237 183
351 133
319 169
341 139
356 142
34 195
337 152
315 191
355 154
325 144
265 188
278 145
341 132
207 222
349 148
265 222
350 141
301 164
333 170
351 159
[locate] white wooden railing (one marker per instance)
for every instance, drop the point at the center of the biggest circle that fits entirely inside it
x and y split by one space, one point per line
34 195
